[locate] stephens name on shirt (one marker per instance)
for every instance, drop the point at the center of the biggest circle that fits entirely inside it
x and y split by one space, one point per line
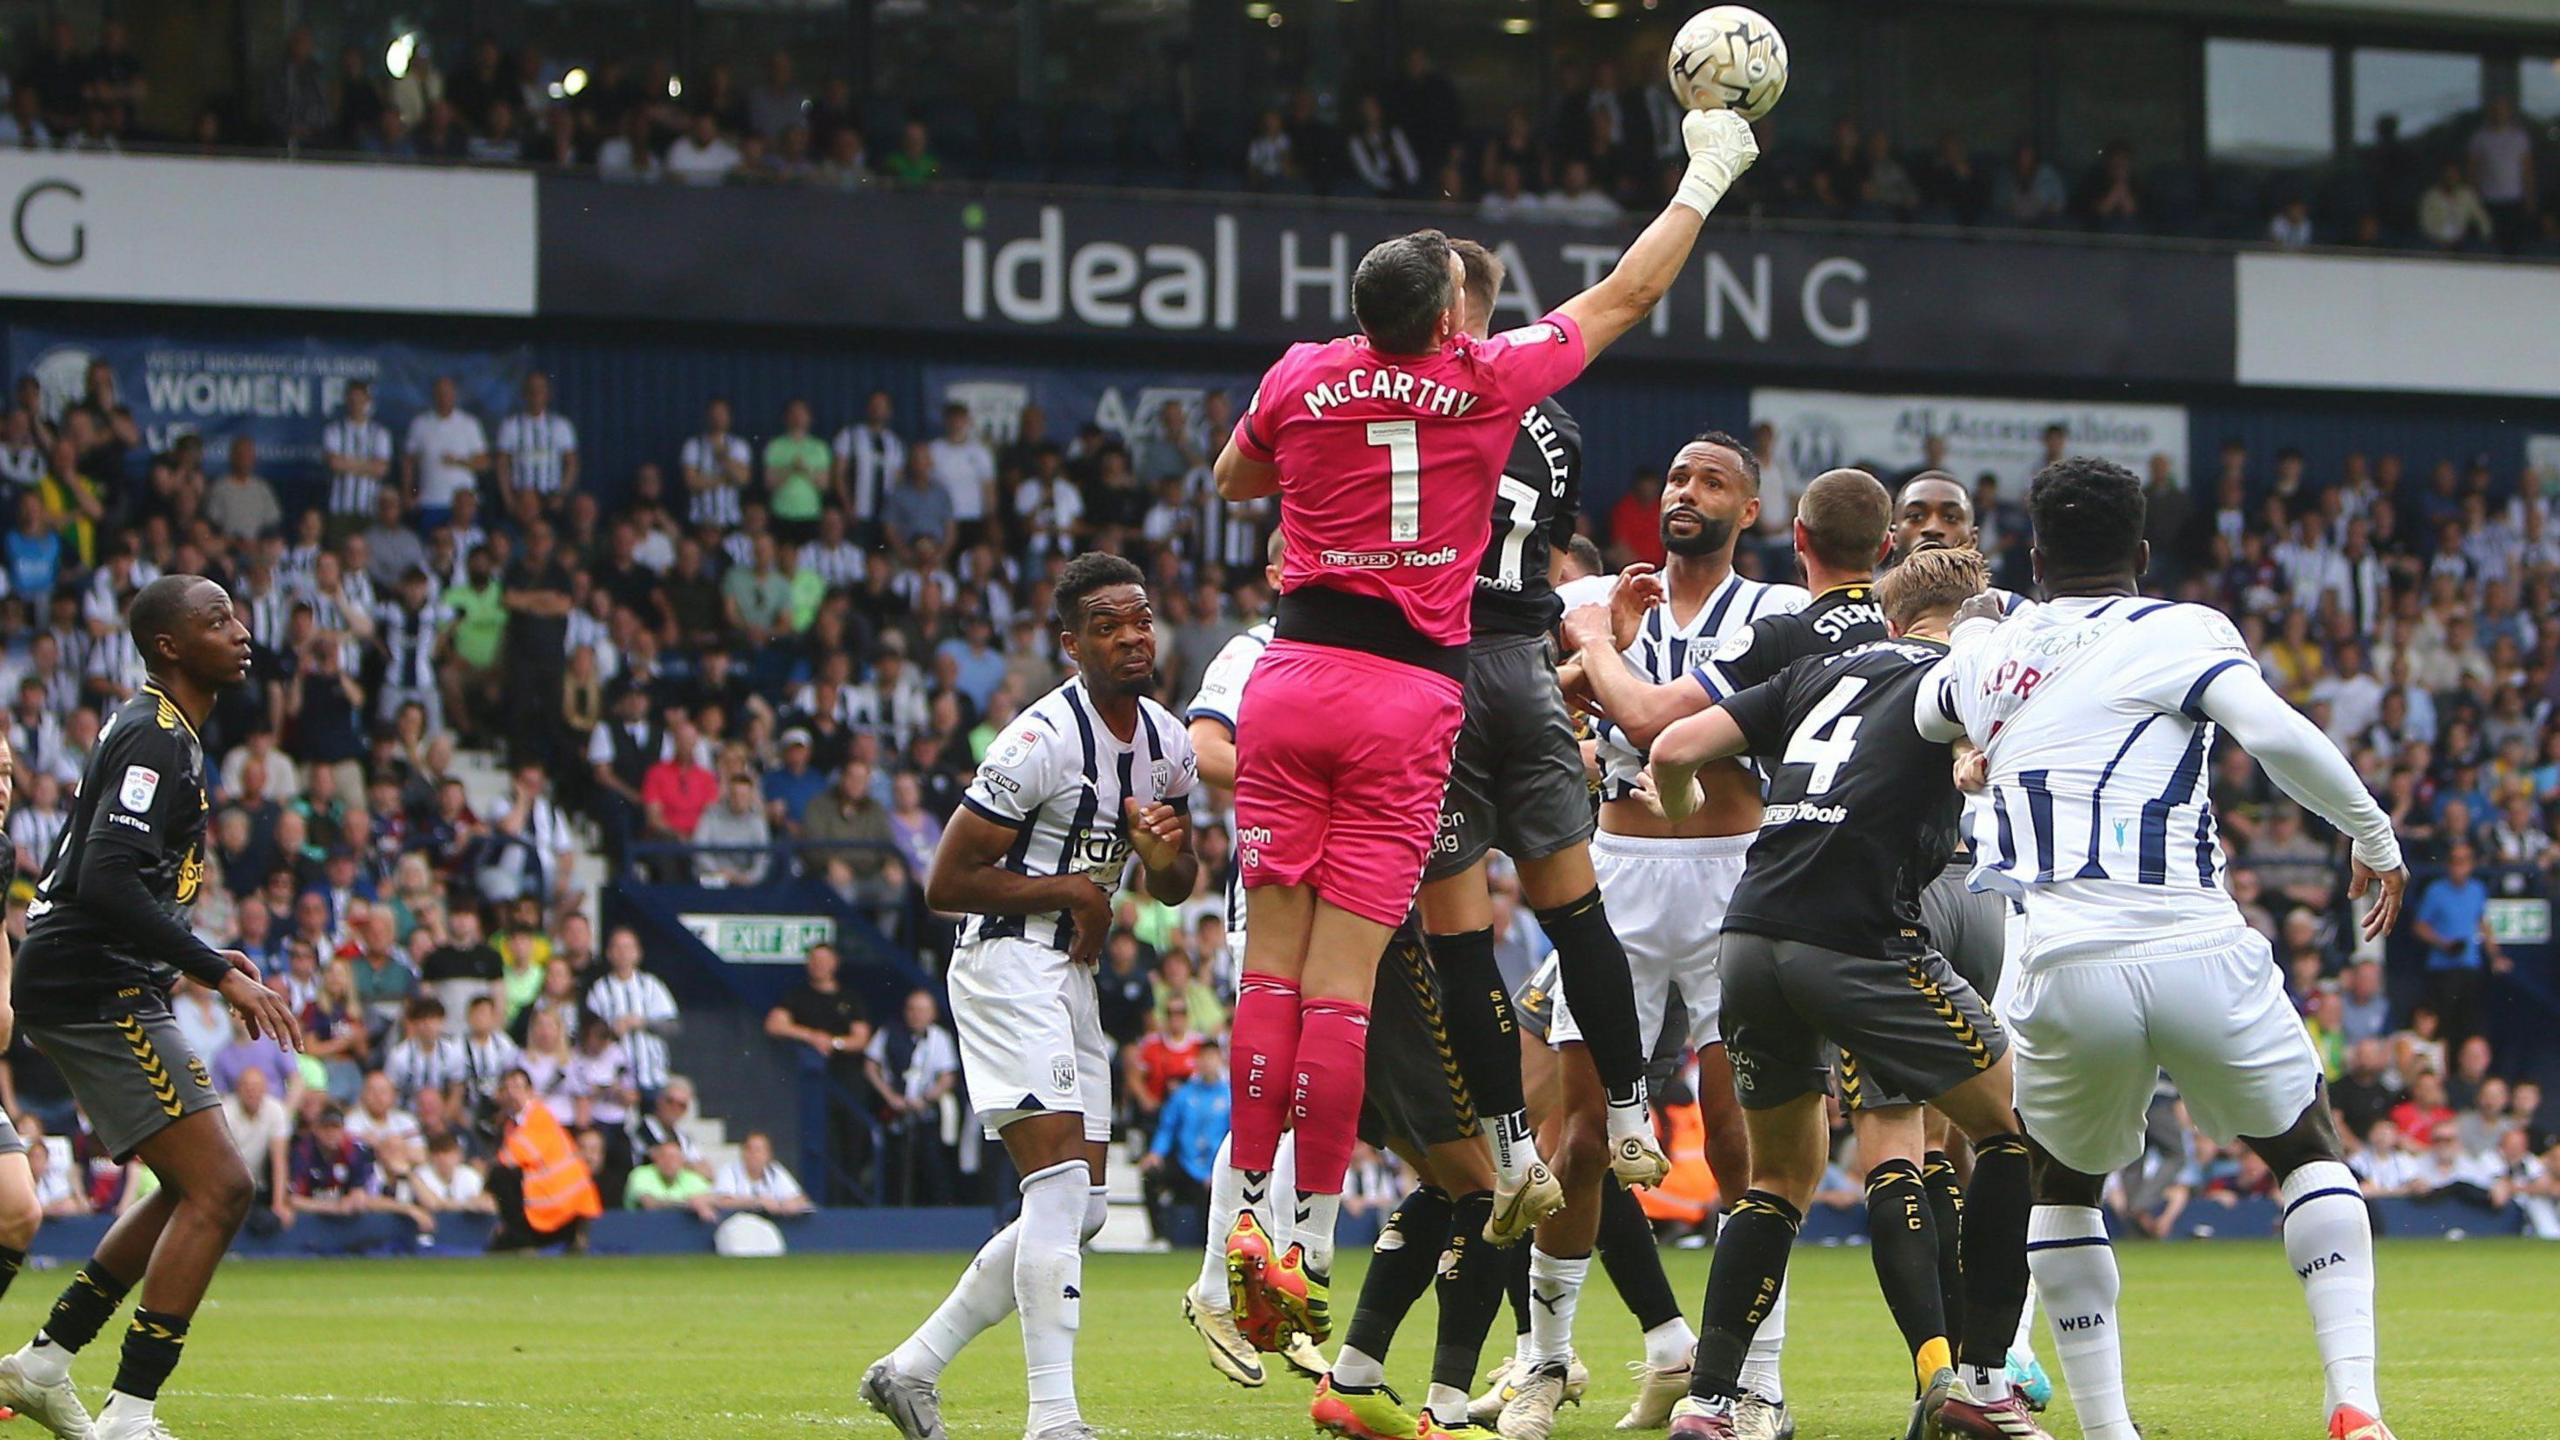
1401 387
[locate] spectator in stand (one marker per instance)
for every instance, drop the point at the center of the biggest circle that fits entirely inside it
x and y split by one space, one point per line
336 1174
242 504
1270 158
870 460
920 509
2029 191
628 156
2386 1167
1509 200
702 155
1382 156
444 454
261 1128
756 1181
537 454
966 470
666 1183
733 841
830 1031
1951 188
2364 1094
426 1059
2451 215
2419 1117
2290 228
1888 192
1192 1124
637 1008
2109 199
1635 524
1163 1060
1576 200
913 162
298 110
2452 923
2502 171
915 1068
448 1184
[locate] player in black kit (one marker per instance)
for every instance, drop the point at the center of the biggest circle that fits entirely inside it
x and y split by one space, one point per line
105 942
1517 782
1823 945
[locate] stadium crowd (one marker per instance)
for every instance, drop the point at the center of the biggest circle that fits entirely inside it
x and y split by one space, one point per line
777 654
1606 149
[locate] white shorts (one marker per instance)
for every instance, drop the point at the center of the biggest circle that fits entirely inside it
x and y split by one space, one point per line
2091 1034
1031 1040
1667 900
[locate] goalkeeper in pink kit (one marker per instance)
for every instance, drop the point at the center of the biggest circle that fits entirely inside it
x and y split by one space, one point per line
1385 449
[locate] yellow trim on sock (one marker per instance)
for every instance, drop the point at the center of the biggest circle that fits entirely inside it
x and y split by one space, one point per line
1934 1356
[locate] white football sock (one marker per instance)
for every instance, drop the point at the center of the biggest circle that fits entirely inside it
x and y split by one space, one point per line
1440 1400
1314 1229
1555 1291
1514 1151
1759 1373
2328 1240
2024 1346
1274 1212
121 1406
983 1297
1226 1197
2075 1268
1048 1276
1628 1116
1988 1384
1669 1345
1358 1369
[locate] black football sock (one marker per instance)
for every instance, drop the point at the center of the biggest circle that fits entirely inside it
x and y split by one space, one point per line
1995 1250
151 1349
1515 1286
1400 1269
1742 1287
1594 967
1482 1033
1946 1212
1469 1290
86 1305
1634 1262
1904 1245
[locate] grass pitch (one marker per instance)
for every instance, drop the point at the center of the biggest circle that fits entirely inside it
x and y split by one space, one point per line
2218 1348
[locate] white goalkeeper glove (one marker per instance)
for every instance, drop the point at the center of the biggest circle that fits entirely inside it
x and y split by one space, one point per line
1721 147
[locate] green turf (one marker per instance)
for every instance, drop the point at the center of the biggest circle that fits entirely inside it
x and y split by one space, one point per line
2219 1344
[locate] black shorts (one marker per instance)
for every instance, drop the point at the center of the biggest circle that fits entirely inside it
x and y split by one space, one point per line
1965 926
1906 1031
1415 1093
1516 781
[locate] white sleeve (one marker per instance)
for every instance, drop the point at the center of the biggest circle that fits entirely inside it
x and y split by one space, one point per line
2185 651
660 1002
1933 705
1018 776
1222 684
784 1185
1186 763
568 434
2301 760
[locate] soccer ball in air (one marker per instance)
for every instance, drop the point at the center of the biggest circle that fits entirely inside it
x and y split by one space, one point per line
1729 58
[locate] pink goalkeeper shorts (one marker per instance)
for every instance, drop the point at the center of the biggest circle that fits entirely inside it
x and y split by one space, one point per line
1341 758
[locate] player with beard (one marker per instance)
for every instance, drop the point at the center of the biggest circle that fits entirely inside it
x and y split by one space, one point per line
1666 883
1974 930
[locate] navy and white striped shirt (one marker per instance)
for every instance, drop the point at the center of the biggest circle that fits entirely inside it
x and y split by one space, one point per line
1056 778
2089 710
537 448
409 642
357 440
614 997
1666 648
708 454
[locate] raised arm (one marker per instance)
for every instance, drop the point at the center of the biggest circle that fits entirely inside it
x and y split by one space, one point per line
1721 147
1683 747
1639 708
2305 765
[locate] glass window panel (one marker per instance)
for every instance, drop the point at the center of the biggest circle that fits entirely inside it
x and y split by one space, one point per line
2267 101
946 48
2541 87
2120 80
2428 90
1992 52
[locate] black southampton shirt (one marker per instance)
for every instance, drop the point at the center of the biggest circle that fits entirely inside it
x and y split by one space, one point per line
1838 618
1861 811
1533 512
143 791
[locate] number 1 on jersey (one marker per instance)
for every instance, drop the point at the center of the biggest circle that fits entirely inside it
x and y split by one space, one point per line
1404 477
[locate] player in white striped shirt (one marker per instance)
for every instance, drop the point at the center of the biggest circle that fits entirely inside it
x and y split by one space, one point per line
1091 776
537 449
715 465
2094 716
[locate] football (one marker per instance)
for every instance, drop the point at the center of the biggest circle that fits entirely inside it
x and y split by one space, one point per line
1729 58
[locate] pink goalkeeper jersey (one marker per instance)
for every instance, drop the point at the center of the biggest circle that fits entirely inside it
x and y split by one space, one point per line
1388 464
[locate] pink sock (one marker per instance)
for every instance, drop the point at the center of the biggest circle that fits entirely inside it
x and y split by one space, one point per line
1262 1043
1333 1058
